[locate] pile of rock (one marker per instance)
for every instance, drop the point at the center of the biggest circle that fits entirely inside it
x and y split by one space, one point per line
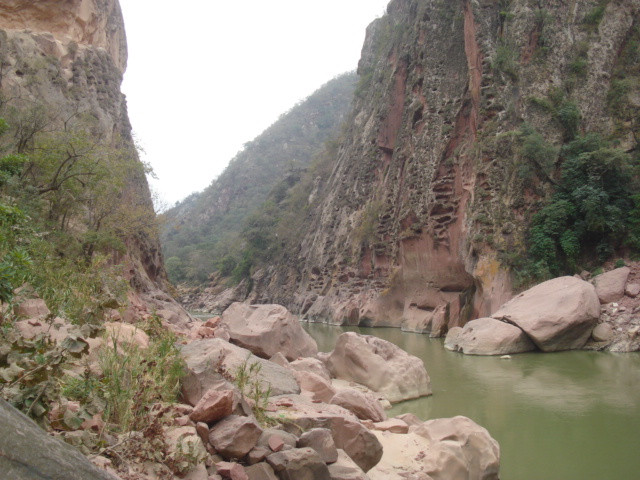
561 314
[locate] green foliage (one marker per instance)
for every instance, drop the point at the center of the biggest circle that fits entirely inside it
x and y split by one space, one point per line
539 155
227 223
134 378
569 116
365 231
505 60
619 263
589 211
248 382
594 16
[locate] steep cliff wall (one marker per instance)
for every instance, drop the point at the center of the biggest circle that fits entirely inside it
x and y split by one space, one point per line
67 58
425 202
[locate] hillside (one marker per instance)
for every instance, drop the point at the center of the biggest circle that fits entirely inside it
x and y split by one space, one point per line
203 229
491 145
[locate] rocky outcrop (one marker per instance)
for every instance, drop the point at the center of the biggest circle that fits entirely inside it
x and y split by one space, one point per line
558 314
488 336
28 453
610 286
379 365
267 330
66 59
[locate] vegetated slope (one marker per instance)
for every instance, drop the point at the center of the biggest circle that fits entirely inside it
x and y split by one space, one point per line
491 144
202 231
75 208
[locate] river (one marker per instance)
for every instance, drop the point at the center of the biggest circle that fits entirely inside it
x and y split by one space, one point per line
557 416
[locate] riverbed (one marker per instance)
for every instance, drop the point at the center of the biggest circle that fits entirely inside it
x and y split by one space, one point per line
557 416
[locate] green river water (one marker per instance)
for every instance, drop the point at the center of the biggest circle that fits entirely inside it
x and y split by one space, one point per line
557 416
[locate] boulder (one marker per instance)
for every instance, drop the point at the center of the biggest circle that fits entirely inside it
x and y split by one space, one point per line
602 333
268 329
232 470
260 471
311 365
443 449
214 405
29 452
186 439
632 290
364 406
346 469
321 441
235 436
57 329
452 338
610 285
298 414
409 418
418 320
280 359
271 436
208 359
558 314
298 464
478 452
488 336
379 365
32 308
314 386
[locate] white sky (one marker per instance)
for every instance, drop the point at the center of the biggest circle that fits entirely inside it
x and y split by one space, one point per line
205 76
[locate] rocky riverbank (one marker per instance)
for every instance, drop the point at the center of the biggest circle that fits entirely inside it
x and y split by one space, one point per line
259 402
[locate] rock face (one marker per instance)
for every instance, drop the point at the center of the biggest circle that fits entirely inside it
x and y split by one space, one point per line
267 330
28 453
488 336
207 358
379 365
556 315
425 198
69 57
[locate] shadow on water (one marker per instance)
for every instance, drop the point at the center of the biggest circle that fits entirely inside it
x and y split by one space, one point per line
565 416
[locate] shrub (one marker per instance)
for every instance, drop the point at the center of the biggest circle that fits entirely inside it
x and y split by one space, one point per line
505 60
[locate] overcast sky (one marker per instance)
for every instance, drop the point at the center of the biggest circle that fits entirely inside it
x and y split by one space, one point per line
204 77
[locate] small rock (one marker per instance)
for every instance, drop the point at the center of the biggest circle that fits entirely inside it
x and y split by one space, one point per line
410 419
632 290
505 357
602 333
260 471
214 405
276 443
321 441
231 470
212 322
235 436
203 431
257 454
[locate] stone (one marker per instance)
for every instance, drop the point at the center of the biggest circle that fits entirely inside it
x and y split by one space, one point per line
33 450
632 290
364 406
276 443
280 359
32 308
311 365
212 322
203 431
442 449
57 329
298 414
268 329
410 419
393 425
260 471
299 464
314 386
207 358
488 336
451 340
321 441
346 469
610 285
379 365
125 334
281 436
232 470
558 314
602 332
475 449
186 439
258 454
214 405
234 436
417 320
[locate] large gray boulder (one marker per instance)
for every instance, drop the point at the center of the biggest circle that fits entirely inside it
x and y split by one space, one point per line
28 453
558 314
267 330
211 360
379 365
488 336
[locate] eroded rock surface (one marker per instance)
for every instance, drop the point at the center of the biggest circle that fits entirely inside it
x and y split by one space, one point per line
488 336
